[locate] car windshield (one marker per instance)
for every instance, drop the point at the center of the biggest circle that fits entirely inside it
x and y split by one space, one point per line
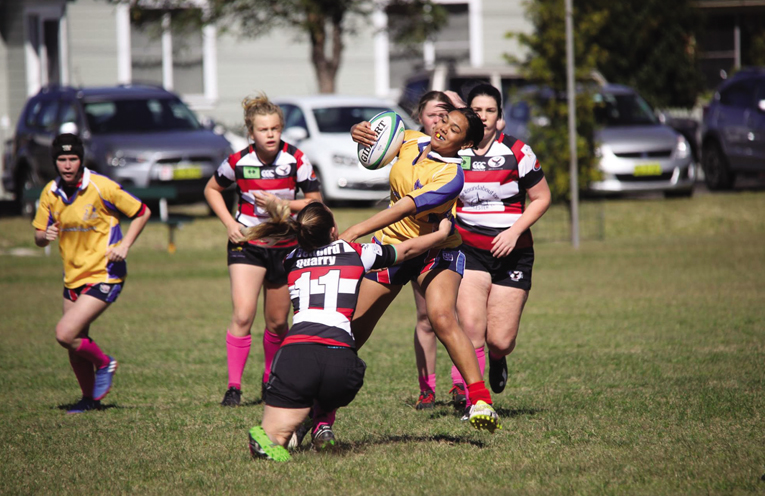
139 116
622 110
340 119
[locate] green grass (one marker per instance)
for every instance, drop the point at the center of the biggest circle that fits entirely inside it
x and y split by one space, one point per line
640 369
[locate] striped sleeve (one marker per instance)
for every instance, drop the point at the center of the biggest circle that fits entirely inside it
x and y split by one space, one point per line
225 176
529 169
306 178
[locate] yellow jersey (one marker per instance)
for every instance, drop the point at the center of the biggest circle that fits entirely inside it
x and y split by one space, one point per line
88 226
434 184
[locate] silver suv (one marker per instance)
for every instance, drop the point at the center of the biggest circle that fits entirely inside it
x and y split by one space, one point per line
139 135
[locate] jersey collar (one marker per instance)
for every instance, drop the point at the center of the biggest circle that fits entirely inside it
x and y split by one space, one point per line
57 189
423 142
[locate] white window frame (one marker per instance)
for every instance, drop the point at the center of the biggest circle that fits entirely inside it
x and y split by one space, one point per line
36 57
198 101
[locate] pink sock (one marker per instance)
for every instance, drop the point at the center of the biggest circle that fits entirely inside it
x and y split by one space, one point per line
427 383
237 351
321 417
271 344
90 351
480 354
85 373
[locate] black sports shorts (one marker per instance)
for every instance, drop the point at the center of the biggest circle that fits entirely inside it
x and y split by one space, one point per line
302 374
513 270
270 258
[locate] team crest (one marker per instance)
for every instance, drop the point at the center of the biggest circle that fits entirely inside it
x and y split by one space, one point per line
66 148
104 288
497 161
516 275
283 170
89 212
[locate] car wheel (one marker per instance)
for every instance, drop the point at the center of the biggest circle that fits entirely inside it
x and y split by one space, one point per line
25 181
717 173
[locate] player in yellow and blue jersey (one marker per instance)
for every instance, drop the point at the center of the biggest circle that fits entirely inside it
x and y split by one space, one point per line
425 184
81 209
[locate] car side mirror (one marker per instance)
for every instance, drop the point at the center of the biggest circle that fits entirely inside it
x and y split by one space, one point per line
68 127
294 134
761 105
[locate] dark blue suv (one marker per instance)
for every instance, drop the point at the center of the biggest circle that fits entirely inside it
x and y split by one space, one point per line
733 129
139 135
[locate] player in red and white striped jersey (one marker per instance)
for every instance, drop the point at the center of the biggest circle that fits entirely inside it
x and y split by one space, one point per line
494 220
317 365
268 169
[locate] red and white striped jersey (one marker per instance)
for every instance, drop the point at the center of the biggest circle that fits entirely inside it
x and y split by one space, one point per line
324 285
494 195
289 171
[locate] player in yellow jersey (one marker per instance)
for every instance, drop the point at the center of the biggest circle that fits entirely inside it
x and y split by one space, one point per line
81 209
425 184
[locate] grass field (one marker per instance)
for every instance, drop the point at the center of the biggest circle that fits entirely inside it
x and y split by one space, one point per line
640 369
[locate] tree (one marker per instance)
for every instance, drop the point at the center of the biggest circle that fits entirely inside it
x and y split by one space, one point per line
546 67
326 22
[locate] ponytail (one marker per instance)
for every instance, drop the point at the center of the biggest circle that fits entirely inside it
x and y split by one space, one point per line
312 228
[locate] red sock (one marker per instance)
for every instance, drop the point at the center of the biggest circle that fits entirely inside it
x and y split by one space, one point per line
478 392
271 344
237 351
85 373
90 351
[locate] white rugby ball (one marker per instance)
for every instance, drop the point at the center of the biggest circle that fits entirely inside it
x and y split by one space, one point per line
389 128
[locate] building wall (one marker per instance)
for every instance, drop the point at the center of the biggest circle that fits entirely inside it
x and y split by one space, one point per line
92 43
499 18
279 63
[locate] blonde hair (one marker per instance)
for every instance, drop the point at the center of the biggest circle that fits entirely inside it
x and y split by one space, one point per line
312 227
260 105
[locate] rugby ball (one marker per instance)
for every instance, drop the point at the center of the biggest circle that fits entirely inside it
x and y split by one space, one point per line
389 128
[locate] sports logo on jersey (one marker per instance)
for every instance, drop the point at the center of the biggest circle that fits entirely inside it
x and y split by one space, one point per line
537 166
251 172
479 166
417 185
516 275
466 163
497 161
89 212
105 288
267 174
283 170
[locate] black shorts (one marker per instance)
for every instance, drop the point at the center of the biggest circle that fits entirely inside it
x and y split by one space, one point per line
100 290
270 258
513 270
302 374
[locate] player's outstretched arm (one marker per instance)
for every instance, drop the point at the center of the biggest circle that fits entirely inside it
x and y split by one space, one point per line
413 247
401 209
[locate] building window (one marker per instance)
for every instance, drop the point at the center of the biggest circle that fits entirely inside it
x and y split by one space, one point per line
45 48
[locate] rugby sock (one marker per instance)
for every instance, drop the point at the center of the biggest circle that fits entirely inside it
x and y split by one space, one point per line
321 417
90 351
494 357
480 354
271 344
427 383
478 392
237 351
85 373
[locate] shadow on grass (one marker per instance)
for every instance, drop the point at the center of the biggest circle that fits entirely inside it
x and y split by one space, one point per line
354 447
69 406
449 411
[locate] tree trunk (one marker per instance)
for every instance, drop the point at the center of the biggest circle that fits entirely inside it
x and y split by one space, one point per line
326 68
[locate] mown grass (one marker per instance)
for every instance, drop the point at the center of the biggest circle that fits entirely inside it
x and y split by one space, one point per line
640 369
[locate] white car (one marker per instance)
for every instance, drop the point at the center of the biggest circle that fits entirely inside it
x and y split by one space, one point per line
320 126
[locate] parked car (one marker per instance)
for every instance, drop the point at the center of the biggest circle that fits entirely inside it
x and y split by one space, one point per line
637 152
460 79
733 129
139 135
320 126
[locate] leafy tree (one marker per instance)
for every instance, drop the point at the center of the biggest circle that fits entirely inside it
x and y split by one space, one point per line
326 22
546 67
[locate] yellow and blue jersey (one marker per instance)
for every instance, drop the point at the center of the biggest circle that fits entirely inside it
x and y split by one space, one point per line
434 184
88 226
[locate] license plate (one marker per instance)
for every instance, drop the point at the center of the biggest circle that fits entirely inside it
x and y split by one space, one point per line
180 172
648 170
